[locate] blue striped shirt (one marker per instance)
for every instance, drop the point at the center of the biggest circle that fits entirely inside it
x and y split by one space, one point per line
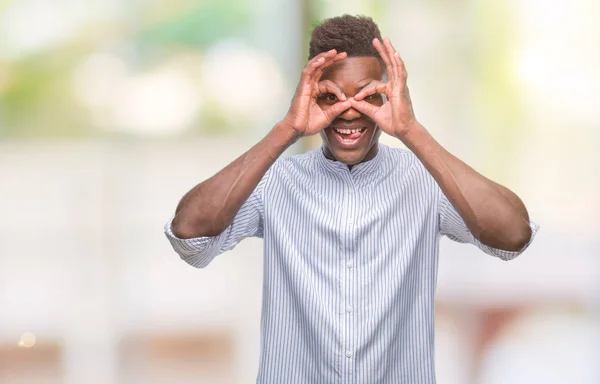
350 267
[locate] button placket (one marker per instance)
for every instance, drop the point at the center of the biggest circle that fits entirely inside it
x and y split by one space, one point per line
350 282
345 228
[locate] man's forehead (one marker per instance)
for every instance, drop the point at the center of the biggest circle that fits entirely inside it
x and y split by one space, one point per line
354 70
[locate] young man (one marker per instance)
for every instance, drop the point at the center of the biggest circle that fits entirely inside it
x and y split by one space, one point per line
352 229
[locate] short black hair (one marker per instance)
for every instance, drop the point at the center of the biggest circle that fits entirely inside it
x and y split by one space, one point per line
351 34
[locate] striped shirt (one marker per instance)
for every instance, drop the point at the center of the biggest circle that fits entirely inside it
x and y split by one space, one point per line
350 267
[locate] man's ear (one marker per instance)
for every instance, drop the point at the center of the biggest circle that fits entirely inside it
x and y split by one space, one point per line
384 76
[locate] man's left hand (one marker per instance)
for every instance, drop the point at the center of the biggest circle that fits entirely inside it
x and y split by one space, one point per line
395 117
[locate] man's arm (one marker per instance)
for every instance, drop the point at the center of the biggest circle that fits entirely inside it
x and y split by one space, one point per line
211 206
493 214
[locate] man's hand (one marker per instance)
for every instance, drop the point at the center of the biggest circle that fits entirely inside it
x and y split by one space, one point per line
396 116
493 214
305 117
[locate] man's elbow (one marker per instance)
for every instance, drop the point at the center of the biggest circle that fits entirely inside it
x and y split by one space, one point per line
511 238
518 237
524 237
184 228
181 229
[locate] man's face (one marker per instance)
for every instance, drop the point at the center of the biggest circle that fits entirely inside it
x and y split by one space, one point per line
352 137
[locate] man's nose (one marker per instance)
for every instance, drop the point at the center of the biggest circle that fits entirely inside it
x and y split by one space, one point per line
350 114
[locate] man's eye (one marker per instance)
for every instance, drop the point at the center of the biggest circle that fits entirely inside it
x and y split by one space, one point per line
376 97
329 97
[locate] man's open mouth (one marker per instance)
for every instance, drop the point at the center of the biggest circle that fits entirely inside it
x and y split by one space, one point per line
348 137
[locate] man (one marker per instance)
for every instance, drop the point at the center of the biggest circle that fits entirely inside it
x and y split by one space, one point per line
352 229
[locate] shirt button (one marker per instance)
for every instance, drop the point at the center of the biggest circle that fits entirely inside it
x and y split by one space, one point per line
348 353
349 309
349 264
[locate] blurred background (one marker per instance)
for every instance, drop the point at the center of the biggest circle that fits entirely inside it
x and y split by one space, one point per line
111 110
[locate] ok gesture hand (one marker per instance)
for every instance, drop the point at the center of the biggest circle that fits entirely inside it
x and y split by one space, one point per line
305 116
396 116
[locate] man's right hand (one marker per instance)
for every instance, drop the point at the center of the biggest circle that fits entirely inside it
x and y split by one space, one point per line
211 206
305 117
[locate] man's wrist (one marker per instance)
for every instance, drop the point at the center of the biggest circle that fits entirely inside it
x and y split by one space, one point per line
416 138
411 132
284 133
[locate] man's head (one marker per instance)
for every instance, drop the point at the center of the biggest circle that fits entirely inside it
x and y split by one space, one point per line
352 137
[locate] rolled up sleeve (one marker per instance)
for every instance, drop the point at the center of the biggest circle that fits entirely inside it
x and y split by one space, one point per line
453 226
197 252
248 222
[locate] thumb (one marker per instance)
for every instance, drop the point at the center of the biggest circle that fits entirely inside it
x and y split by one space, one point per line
336 109
364 107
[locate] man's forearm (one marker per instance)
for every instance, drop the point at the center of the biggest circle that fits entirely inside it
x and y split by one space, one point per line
210 207
494 215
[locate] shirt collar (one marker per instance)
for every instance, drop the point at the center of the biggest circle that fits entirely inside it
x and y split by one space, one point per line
364 168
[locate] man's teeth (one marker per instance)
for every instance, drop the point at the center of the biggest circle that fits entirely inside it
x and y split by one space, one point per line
348 131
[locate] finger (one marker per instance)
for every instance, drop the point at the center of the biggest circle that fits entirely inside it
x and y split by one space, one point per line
336 109
326 55
399 63
334 59
373 87
401 68
315 63
309 70
391 54
364 107
328 86
384 56
319 72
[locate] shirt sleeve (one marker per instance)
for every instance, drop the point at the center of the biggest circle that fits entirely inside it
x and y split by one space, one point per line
248 222
454 227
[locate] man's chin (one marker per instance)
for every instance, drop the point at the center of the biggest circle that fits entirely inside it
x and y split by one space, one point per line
349 158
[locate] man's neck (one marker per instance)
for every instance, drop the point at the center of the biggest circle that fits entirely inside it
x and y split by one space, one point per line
369 156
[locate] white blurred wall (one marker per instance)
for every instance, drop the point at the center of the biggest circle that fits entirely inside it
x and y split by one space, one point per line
84 261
